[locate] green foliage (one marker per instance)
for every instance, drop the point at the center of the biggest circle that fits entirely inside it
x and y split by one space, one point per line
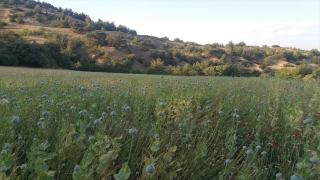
230 70
37 16
25 32
7 36
116 41
29 13
253 53
3 24
61 60
8 60
250 73
212 49
19 19
241 44
76 27
178 40
12 17
149 43
229 48
28 32
199 67
223 58
247 63
166 56
298 72
316 59
62 21
33 55
276 46
157 65
314 52
72 45
122 61
30 4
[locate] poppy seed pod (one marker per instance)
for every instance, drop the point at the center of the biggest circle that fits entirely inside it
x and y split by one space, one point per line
308 121
150 169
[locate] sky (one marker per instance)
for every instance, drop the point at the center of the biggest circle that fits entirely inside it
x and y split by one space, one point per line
288 23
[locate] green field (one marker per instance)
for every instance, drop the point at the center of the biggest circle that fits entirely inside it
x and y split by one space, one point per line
58 124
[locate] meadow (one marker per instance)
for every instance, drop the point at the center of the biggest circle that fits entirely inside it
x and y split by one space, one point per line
57 124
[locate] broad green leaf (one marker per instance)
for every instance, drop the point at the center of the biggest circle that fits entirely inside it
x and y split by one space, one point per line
154 147
43 176
124 172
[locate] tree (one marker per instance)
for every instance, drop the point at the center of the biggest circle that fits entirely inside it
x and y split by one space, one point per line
157 65
76 27
88 23
223 58
229 48
33 55
116 41
316 60
38 17
37 9
177 40
230 70
242 44
19 19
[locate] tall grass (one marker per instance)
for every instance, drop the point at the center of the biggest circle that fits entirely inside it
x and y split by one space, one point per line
77 125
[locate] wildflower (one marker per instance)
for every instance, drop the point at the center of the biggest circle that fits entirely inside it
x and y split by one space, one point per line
296 134
250 134
150 169
244 124
275 144
268 131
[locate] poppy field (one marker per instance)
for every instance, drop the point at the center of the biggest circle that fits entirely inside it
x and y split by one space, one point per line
57 124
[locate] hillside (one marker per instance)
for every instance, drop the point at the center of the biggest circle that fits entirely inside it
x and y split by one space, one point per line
86 42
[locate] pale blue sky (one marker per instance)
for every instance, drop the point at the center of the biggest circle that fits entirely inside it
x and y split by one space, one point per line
288 23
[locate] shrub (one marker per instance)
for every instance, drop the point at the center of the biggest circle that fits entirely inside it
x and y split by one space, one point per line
29 13
8 60
316 59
